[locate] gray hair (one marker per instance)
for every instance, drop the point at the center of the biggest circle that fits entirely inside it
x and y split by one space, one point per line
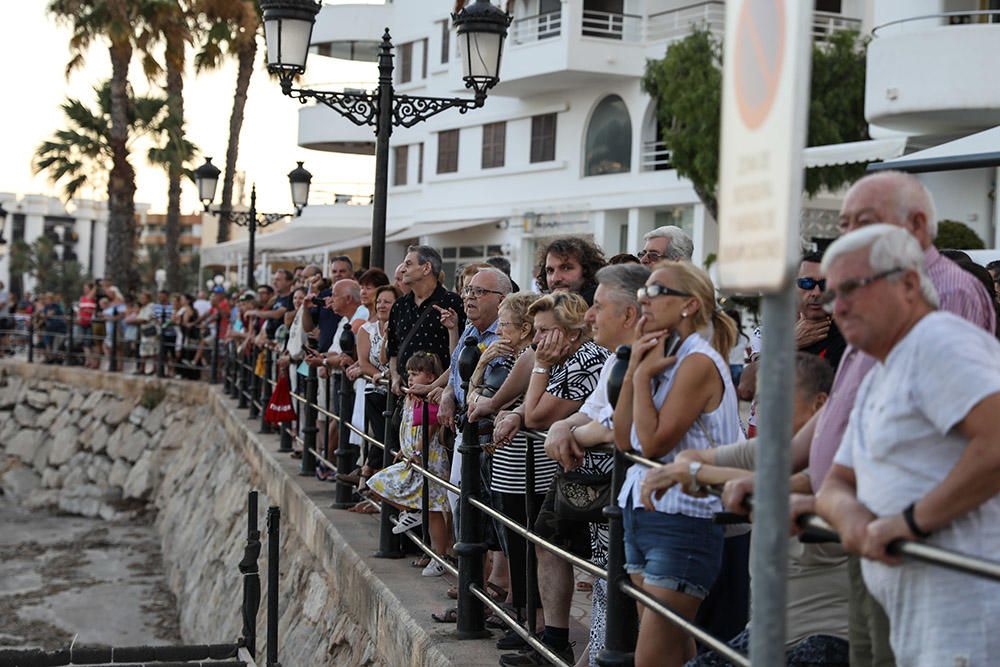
890 247
502 281
353 288
680 247
425 254
624 280
909 196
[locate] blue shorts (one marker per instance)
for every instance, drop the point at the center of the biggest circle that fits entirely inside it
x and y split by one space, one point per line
673 551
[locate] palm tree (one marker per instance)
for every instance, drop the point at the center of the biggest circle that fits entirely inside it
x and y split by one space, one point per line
166 22
115 21
82 152
230 29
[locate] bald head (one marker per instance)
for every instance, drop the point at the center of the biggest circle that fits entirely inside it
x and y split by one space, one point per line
894 198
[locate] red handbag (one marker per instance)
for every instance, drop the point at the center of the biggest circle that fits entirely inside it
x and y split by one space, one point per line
279 408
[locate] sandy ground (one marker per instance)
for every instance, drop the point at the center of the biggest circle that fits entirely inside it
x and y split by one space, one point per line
66 578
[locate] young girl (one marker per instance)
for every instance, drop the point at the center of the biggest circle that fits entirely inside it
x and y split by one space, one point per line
400 485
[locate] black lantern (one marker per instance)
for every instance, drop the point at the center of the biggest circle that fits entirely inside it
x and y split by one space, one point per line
481 28
207 178
288 28
299 179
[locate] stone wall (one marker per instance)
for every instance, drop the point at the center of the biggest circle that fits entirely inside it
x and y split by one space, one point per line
101 444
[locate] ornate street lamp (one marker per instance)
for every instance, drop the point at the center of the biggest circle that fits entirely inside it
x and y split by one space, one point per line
481 29
207 178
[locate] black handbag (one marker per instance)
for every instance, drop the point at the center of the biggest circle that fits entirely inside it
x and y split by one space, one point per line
582 496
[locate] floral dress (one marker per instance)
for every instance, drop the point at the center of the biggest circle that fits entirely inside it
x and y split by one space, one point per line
402 484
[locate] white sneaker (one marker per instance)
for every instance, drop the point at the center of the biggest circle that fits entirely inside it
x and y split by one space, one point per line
433 569
406 521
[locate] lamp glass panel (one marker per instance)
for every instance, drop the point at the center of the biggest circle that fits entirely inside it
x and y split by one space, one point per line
480 54
300 194
287 42
206 188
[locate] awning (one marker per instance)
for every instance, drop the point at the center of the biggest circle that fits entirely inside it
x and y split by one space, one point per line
853 152
431 228
347 244
972 152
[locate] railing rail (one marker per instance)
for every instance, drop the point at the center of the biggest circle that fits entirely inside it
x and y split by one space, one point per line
537 27
990 16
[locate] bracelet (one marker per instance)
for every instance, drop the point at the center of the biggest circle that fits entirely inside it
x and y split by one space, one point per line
912 522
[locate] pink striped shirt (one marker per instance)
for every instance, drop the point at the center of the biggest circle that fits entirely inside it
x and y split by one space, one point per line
958 291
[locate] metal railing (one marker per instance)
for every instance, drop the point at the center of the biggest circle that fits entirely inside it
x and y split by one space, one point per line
534 28
610 25
676 24
620 633
655 156
946 19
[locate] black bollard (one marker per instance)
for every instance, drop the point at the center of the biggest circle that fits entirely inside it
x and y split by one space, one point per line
255 382
244 375
251 577
346 453
470 548
309 430
531 601
31 338
68 360
621 627
388 544
285 443
425 491
265 390
273 529
227 371
214 377
115 331
161 357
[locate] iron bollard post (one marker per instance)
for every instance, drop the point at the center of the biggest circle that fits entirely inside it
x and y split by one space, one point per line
470 548
273 530
388 544
265 392
309 430
255 382
425 490
214 377
285 444
531 601
621 627
161 355
227 370
31 338
346 453
251 577
68 360
244 375
113 363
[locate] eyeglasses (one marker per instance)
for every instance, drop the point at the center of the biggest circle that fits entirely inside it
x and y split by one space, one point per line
479 292
849 287
809 284
652 254
655 290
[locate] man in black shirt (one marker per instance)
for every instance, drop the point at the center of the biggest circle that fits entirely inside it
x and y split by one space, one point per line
411 327
815 331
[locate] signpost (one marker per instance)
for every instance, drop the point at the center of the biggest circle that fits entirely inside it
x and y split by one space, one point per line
765 96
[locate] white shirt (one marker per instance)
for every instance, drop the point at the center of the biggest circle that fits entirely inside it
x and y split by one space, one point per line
901 442
597 406
202 306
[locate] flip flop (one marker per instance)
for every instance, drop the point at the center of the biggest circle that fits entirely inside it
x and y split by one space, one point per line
496 593
449 616
420 562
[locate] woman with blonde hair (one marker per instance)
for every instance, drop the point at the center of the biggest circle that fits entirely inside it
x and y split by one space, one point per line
677 394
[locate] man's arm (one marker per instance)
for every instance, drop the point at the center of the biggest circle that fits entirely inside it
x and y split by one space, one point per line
837 502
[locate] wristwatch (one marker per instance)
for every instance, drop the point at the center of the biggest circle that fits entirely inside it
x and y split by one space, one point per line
540 370
693 469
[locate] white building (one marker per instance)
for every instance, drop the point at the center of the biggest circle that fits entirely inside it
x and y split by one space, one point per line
567 143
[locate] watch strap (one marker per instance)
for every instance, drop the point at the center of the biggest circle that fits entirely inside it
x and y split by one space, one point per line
911 522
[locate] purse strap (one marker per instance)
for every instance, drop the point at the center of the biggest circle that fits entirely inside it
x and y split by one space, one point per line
708 435
416 327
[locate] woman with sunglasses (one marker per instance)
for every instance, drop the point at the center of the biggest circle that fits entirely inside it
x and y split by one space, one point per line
677 395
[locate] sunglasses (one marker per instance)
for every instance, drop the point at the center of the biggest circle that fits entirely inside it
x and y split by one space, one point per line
809 284
652 254
655 290
849 287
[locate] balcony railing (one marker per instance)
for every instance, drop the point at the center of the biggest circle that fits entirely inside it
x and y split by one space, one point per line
971 17
536 28
608 25
826 24
655 156
676 24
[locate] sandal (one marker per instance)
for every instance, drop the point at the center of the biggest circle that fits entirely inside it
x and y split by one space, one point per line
367 507
449 616
495 622
497 593
296 454
420 562
453 592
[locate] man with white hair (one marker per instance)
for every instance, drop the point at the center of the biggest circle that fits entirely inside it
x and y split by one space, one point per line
921 454
667 242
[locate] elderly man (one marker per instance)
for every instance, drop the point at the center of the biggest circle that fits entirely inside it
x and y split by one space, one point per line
901 200
613 317
667 242
921 453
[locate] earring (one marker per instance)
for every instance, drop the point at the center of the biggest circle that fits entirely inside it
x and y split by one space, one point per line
684 313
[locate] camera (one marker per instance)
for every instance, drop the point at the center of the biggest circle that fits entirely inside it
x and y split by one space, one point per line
318 301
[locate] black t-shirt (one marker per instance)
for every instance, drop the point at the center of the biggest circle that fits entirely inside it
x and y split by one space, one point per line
279 303
431 336
830 348
325 320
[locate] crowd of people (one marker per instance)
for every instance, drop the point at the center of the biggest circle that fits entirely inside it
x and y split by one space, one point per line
897 393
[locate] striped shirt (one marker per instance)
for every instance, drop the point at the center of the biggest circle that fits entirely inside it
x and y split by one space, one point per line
958 292
721 426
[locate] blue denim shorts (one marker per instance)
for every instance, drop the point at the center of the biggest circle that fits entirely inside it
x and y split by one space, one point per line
673 551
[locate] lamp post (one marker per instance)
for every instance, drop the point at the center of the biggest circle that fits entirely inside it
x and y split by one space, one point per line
481 28
207 178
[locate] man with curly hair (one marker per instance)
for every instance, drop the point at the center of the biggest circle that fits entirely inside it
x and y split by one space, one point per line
570 264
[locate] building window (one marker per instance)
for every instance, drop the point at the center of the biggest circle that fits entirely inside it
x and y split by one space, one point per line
405 62
458 257
447 152
420 163
543 138
400 166
609 139
424 48
494 144
445 41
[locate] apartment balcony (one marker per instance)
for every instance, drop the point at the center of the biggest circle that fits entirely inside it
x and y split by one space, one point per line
930 74
323 129
352 31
